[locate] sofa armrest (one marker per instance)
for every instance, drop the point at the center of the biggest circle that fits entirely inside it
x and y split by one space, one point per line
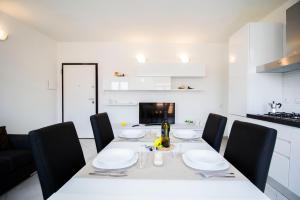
19 141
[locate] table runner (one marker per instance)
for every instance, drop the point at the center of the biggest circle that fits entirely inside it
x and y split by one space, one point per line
172 169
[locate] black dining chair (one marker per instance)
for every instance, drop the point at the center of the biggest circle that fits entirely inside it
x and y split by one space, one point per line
57 154
102 130
214 130
250 149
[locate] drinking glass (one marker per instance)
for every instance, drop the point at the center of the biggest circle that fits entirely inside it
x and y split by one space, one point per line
142 159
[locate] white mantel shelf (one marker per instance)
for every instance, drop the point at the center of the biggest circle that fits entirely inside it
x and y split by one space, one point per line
174 76
169 90
121 104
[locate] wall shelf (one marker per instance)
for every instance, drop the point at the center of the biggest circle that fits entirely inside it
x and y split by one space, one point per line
174 76
158 77
169 90
121 104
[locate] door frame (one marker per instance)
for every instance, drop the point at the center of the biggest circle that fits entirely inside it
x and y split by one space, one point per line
62 85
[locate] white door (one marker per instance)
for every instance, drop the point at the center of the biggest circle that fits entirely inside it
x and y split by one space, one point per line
79 97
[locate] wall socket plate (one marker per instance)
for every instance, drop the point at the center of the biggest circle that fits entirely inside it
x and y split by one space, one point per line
297 100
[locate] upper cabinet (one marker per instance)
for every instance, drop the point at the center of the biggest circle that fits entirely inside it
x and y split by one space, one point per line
158 77
254 44
171 70
266 43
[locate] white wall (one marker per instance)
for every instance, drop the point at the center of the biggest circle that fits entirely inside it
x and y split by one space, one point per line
27 61
291 80
121 57
291 91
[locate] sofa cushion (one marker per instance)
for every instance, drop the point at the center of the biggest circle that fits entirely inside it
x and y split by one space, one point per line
4 140
10 160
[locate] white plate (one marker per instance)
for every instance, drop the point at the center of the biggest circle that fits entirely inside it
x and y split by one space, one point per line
205 160
185 134
116 158
132 134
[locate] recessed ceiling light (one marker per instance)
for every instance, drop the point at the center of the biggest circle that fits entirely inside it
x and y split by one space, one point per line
140 58
184 58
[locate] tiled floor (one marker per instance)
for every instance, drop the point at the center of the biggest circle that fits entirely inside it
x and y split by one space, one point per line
30 189
27 190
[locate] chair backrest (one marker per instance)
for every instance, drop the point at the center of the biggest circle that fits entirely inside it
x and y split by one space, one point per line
102 130
57 154
214 130
250 149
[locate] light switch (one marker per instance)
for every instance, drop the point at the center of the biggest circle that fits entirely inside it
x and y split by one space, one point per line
52 84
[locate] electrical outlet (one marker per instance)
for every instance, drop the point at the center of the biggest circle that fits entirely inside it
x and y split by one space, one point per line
297 100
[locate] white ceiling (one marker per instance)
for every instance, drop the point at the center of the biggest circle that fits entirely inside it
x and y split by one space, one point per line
180 21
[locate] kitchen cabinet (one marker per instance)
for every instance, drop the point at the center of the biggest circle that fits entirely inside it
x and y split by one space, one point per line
281 197
270 192
295 162
273 194
153 83
285 162
171 70
254 44
279 169
136 83
283 147
158 77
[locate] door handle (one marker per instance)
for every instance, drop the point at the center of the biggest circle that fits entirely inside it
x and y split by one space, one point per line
92 99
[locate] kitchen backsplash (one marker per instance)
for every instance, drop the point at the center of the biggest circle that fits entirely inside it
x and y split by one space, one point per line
291 91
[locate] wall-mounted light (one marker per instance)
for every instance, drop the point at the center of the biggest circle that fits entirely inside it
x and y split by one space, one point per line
3 35
232 59
184 58
140 58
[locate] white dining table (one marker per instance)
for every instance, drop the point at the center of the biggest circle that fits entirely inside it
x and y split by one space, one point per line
145 181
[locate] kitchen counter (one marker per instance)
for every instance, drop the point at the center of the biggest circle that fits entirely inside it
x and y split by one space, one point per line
278 120
285 163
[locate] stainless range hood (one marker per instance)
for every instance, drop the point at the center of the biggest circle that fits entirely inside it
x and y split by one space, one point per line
287 64
292 61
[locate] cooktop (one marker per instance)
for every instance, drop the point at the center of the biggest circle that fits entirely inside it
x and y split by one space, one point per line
289 119
284 115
